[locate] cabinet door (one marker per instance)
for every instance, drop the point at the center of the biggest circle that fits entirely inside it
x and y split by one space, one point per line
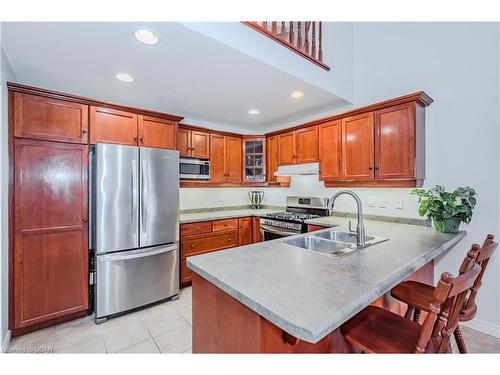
245 235
50 231
256 233
286 148
395 142
357 147
184 142
200 142
113 126
330 150
50 119
217 161
234 152
156 132
272 157
306 145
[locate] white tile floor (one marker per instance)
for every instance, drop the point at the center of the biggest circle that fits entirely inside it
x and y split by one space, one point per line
163 328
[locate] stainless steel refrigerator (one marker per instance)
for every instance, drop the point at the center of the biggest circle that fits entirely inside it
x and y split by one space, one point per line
134 227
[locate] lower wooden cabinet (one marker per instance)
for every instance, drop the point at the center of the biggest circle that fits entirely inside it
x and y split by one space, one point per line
245 225
50 253
208 236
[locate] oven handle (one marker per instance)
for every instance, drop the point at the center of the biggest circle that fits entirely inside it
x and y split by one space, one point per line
265 228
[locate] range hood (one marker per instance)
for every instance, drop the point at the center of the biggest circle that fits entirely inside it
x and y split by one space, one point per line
297 169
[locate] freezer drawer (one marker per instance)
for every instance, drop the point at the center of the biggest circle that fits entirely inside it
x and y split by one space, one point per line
131 279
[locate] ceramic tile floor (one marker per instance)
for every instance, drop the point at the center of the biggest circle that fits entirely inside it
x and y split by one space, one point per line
163 328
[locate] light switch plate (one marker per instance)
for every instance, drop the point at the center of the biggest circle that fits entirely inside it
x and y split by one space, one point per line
382 203
398 203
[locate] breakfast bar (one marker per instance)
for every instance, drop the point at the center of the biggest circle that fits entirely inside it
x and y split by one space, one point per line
271 297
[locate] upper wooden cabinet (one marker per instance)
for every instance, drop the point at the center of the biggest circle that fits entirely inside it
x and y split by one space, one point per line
395 136
298 146
193 143
109 125
272 157
357 147
330 150
156 132
254 159
113 126
52 119
225 159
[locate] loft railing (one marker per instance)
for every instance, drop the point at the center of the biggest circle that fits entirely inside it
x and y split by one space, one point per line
304 38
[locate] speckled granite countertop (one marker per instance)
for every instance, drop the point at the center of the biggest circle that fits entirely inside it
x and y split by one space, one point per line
223 214
308 294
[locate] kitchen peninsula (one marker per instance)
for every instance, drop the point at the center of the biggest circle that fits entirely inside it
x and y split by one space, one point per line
270 297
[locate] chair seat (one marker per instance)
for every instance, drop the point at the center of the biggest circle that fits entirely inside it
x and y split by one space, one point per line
375 330
420 295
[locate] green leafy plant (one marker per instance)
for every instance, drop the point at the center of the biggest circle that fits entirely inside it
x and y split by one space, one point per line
446 209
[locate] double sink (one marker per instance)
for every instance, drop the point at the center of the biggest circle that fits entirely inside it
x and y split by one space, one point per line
333 243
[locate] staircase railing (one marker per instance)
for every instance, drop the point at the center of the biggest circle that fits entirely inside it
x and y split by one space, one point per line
302 37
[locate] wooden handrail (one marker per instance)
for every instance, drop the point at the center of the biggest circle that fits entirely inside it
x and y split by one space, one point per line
298 36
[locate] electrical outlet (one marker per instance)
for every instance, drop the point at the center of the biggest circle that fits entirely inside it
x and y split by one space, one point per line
371 202
382 203
398 203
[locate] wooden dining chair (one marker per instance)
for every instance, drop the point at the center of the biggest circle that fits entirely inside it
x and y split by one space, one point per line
418 295
375 330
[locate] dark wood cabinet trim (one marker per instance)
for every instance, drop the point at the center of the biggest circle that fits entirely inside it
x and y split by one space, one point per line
17 87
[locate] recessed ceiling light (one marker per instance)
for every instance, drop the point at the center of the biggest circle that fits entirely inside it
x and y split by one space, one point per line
124 77
146 37
297 94
253 112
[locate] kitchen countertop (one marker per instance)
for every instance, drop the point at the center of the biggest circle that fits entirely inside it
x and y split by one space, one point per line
308 294
223 214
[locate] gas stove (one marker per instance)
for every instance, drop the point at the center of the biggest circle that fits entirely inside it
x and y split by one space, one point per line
292 221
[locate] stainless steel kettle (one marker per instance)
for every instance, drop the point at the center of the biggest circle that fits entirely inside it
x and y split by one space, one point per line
256 197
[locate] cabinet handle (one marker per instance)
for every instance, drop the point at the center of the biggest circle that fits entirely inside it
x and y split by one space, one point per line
141 139
192 246
84 219
197 228
135 139
229 239
370 168
377 168
225 224
84 131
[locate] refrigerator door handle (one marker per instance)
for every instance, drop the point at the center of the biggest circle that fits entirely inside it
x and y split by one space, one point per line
144 193
134 195
137 254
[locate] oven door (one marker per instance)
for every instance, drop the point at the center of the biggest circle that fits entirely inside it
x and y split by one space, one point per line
271 233
194 169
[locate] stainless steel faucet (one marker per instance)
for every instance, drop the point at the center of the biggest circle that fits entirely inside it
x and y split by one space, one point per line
360 228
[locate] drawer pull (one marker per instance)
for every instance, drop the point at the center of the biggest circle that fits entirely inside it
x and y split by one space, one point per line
197 228
192 246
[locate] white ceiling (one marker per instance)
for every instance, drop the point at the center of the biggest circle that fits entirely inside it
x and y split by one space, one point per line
187 73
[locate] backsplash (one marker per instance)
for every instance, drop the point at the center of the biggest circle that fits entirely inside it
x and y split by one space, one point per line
195 198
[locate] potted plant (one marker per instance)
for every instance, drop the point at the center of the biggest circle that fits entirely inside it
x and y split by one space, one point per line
447 210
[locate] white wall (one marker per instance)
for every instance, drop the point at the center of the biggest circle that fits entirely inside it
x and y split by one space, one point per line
5 75
458 66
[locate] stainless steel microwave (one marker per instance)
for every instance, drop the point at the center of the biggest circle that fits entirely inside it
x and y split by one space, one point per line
194 169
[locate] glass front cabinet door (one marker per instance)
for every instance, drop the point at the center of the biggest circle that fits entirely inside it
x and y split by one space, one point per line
254 159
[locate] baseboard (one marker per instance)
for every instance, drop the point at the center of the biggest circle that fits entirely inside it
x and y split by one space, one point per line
6 341
484 327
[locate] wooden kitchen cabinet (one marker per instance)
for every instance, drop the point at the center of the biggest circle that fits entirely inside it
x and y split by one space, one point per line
113 126
357 147
254 159
330 150
245 229
298 146
395 144
193 143
272 157
39 117
157 132
225 159
50 249
256 233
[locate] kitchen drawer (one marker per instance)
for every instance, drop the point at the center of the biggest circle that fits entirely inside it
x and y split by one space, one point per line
209 243
186 273
196 228
226 224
